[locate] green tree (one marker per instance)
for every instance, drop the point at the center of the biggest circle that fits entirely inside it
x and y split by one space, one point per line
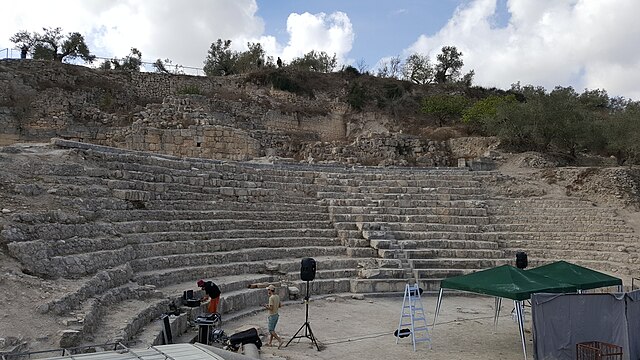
24 41
449 65
621 132
53 45
252 59
131 62
221 60
485 110
418 69
167 66
445 107
318 61
391 68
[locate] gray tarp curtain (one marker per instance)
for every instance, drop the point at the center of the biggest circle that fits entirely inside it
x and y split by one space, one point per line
633 323
562 321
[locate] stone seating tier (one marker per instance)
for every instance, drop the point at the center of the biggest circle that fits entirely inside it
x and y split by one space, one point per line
560 227
557 219
587 245
614 257
434 244
247 255
444 253
428 219
408 202
560 236
402 226
408 211
168 221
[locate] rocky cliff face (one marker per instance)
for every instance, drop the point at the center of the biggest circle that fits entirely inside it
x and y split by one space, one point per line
236 118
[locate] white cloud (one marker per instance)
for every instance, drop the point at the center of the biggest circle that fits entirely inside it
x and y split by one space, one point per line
321 32
181 31
580 43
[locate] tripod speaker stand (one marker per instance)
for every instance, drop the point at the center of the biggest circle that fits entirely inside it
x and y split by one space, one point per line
308 333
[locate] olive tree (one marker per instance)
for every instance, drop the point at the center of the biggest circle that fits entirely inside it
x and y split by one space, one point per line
53 45
445 107
318 61
131 62
418 69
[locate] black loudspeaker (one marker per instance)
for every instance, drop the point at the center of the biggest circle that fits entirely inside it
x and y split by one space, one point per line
521 260
308 269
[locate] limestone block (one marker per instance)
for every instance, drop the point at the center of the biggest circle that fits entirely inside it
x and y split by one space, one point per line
69 338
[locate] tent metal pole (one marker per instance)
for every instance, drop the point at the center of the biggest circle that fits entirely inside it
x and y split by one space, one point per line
520 315
498 304
435 316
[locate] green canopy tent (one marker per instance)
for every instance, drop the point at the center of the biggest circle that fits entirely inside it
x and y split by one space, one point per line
582 277
508 282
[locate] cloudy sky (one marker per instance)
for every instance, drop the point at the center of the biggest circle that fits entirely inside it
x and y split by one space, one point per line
580 43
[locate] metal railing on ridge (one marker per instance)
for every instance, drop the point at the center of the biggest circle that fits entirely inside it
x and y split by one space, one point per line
146 66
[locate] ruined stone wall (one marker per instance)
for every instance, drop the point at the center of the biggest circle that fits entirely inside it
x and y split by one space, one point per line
211 141
382 150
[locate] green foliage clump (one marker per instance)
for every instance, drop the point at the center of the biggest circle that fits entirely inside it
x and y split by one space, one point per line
560 121
485 110
222 61
190 90
445 107
131 62
357 96
318 61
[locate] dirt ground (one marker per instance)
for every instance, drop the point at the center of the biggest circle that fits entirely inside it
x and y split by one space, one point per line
363 329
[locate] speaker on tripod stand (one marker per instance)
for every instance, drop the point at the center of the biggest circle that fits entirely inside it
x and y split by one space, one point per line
307 273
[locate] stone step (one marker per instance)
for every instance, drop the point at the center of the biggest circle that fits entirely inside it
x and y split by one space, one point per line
440 201
570 245
557 228
440 235
431 244
403 183
424 274
538 203
172 215
390 285
468 263
214 225
417 227
546 211
390 218
428 196
442 210
616 268
324 286
258 195
444 253
594 254
150 237
572 236
573 218
254 255
326 274
361 252
393 174
215 245
202 205
168 278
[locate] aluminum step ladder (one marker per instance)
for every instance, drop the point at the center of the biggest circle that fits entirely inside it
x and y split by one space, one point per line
413 315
